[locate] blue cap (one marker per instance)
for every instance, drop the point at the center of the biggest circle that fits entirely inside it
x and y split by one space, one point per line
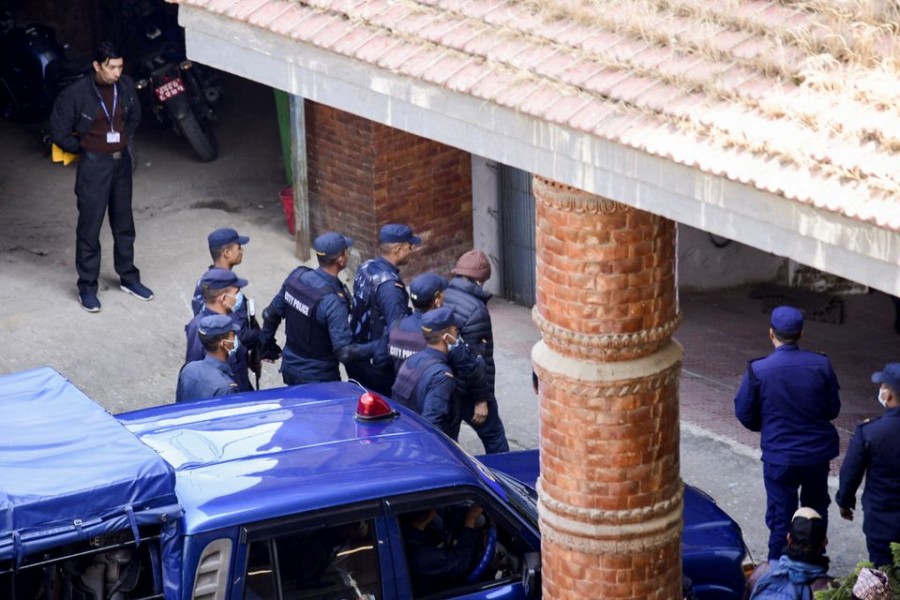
394 233
889 375
219 279
223 237
426 286
440 318
217 325
786 319
331 244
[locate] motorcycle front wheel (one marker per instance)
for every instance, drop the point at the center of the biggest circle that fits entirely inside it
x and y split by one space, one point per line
201 138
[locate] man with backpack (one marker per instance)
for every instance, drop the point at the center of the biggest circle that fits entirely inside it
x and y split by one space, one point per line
803 567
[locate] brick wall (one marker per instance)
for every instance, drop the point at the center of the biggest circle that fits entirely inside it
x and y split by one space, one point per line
363 174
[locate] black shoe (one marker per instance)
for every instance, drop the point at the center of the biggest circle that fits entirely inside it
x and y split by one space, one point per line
89 302
137 290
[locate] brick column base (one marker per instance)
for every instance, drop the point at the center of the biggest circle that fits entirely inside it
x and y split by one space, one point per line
610 494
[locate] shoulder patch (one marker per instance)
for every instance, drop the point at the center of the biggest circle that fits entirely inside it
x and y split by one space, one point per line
448 374
399 285
869 420
232 385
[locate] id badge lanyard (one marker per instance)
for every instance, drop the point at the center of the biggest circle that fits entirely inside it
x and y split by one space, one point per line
112 136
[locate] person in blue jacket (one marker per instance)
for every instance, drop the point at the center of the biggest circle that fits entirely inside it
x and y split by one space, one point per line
380 301
791 397
221 289
874 453
467 297
426 382
210 376
405 340
315 306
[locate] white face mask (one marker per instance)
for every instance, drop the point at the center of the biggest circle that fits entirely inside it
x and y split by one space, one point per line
451 345
882 397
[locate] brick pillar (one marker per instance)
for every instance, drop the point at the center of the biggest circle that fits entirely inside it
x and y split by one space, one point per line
610 489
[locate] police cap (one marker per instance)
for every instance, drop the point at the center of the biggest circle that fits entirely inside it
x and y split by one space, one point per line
217 325
395 233
219 279
426 286
786 319
890 375
225 236
440 318
331 244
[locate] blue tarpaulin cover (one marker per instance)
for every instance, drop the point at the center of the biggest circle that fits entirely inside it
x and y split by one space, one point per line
69 470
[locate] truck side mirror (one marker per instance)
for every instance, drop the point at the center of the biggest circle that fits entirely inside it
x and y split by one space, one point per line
531 575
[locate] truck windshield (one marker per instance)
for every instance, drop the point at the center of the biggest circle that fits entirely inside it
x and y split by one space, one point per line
522 497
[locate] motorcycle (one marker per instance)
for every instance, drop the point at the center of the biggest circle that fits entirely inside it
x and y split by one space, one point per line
181 94
33 70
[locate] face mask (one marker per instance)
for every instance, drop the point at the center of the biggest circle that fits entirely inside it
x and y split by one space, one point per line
452 345
238 301
236 344
881 397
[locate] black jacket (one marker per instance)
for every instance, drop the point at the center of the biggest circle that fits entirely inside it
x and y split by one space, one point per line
469 302
78 105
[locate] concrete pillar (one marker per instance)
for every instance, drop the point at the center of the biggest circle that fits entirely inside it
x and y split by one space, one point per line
610 489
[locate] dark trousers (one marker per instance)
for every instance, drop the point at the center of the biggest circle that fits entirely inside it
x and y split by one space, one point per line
491 432
379 380
782 484
103 185
881 527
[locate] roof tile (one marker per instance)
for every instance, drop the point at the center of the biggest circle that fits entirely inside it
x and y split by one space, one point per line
398 56
354 40
445 68
243 9
465 79
269 14
375 48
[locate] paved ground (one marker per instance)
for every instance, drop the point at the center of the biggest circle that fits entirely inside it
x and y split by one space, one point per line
128 355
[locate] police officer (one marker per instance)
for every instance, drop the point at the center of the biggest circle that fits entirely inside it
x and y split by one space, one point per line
96 117
211 376
466 296
874 452
791 397
427 293
226 247
380 301
220 295
315 306
426 382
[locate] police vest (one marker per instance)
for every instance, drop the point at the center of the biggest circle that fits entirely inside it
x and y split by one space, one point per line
306 337
366 321
403 344
408 378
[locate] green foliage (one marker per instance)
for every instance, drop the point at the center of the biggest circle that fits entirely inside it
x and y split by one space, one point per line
842 588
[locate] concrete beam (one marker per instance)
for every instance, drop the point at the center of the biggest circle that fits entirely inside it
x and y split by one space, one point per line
831 242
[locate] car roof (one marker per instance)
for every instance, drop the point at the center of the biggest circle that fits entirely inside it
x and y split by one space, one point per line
261 455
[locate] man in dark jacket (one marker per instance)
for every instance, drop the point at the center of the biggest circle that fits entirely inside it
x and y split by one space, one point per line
315 306
380 301
211 376
874 453
791 397
96 118
468 299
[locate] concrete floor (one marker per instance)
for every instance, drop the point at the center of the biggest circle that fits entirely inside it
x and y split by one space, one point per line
128 355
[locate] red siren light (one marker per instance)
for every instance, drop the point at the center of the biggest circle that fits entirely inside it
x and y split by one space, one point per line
372 407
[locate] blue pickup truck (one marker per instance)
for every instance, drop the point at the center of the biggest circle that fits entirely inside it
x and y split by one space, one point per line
313 491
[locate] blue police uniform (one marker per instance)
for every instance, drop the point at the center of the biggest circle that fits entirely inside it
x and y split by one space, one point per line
237 362
426 384
248 334
791 397
315 306
406 340
380 301
205 378
469 300
874 453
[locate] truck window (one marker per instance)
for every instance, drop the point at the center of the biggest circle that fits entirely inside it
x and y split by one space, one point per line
328 563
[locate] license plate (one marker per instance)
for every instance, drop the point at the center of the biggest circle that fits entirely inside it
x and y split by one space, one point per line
169 89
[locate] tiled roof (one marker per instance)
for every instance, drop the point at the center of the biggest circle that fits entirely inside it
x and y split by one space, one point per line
798 99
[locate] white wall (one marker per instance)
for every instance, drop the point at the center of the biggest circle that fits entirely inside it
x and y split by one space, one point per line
485 217
703 266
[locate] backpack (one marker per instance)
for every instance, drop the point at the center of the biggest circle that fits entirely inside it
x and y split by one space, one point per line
776 584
